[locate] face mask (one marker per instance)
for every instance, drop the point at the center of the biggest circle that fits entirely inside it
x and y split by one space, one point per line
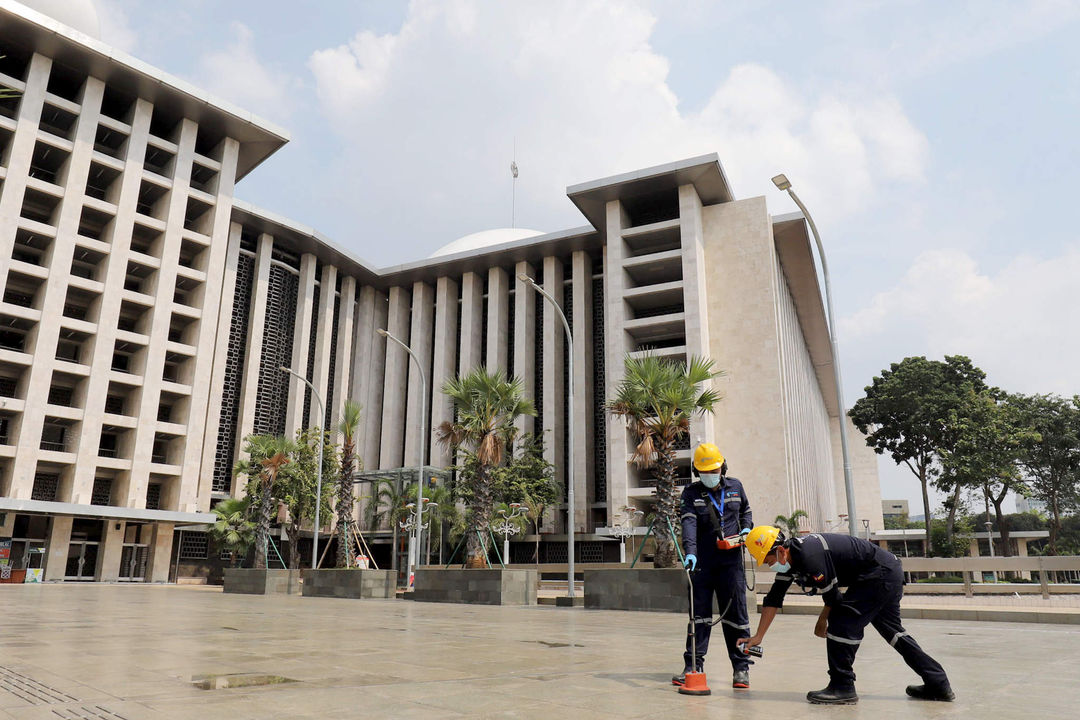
780 567
710 480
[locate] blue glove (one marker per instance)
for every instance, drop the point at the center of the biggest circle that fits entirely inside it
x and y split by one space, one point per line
744 533
690 562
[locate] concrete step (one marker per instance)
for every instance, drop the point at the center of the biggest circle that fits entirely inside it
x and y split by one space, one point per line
562 601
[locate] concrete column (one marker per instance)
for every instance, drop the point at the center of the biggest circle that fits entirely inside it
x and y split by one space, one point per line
221 354
56 552
472 323
323 346
395 383
160 556
444 362
52 308
343 351
584 484
373 418
249 388
525 300
420 340
617 344
694 296
554 389
498 320
20 154
305 302
111 550
212 346
361 369
153 368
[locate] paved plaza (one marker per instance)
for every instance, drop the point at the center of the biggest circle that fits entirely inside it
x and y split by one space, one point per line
115 651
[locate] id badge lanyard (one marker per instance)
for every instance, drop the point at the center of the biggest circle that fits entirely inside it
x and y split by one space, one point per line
720 507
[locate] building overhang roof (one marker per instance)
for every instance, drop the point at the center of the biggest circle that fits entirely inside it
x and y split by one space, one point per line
704 172
41 507
67 46
791 237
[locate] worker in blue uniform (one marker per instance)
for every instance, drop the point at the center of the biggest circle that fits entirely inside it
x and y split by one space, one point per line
715 515
823 563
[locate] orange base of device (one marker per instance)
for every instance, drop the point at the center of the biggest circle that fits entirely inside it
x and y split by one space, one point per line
696 684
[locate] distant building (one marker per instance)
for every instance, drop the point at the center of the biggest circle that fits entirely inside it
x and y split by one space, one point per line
894 508
1024 505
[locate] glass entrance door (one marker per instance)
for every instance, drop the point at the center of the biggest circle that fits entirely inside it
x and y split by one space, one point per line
133 562
81 561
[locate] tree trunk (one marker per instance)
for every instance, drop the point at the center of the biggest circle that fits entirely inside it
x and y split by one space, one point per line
1003 528
480 520
344 504
927 551
1055 523
667 508
536 553
293 532
262 530
950 521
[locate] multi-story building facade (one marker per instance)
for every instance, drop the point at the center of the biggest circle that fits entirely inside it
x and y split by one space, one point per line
146 315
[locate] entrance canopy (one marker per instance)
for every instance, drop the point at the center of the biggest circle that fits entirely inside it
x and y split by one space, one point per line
42 507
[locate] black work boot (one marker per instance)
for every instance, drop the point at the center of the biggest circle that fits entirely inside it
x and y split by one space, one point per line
680 679
741 680
943 693
832 696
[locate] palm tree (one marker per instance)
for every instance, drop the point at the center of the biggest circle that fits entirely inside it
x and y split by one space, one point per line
267 454
657 397
487 404
534 511
790 523
350 420
233 532
387 503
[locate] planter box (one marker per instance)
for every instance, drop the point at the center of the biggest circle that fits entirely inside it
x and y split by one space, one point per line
636 589
477 587
262 582
350 583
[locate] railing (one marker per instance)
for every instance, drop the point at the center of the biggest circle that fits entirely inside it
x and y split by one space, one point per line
54 446
966 566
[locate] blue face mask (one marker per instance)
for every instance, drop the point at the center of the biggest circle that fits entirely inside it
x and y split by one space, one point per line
710 480
780 567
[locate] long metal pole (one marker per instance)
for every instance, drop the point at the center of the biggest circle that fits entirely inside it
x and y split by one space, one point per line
849 483
418 532
569 441
318 482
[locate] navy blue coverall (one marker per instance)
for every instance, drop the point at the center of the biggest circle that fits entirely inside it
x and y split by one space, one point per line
719 572
823 563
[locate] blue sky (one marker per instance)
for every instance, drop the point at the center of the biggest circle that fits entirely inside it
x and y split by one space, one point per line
934 142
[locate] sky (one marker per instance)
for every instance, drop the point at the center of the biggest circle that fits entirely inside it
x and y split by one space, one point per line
932 142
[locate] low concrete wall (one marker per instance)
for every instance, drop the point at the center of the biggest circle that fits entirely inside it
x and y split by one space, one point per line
350 583
477 587
636 589
249 581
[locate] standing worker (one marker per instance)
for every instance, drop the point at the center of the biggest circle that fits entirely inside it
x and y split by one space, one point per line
715 518
823 563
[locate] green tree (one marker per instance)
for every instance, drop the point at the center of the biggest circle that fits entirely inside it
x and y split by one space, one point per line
266 456
790 523
905 412
526 473
344 502
297 484
386 508
487 405
656 398
233 532
1051 455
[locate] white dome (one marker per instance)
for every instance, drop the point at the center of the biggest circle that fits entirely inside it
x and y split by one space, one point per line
485 238
78 14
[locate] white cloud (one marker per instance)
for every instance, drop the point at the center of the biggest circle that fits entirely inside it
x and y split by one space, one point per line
428 116
116 29
1016 323
239 76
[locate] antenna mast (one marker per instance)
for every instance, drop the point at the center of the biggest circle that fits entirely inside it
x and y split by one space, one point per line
513 187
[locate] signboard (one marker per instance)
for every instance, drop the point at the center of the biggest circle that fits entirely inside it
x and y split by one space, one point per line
5 548
34 576
5 572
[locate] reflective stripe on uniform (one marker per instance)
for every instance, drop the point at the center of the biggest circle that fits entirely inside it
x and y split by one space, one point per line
829 587
846 641
735 625
896 638
687 515
703 620
782 577
822 539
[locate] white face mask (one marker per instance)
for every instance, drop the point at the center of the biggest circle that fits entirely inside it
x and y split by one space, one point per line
710 480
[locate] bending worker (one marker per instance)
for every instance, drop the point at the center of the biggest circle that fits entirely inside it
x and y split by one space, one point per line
714 508
823 563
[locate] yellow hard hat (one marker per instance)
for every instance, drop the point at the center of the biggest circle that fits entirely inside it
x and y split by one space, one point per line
760 541
707 458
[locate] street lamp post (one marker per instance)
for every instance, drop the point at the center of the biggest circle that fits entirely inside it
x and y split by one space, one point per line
782 183
318 475
569 433
507 527
419 531
625 529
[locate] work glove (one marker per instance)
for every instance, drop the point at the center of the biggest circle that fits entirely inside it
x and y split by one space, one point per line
690 562
744 533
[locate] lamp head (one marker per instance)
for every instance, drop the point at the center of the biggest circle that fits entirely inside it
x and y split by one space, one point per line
524 278
781 182
382 332
283 369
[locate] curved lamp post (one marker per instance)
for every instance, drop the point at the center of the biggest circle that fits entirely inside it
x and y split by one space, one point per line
569 432
782 183
318 475
625 528
415 539
507 527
